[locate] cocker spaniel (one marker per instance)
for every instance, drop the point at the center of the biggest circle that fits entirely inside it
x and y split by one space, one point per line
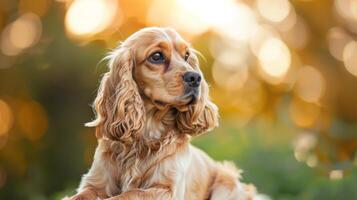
151 102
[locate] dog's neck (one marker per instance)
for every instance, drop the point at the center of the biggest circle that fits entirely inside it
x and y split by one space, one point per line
159 122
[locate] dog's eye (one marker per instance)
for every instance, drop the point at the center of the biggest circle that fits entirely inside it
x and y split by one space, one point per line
157 58
187 55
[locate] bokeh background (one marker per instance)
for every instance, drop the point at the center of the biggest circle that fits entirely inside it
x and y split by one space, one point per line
283 73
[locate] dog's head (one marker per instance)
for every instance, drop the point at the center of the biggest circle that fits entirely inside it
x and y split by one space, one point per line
155 66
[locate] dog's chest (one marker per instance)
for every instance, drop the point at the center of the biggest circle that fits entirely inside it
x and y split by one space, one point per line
167 172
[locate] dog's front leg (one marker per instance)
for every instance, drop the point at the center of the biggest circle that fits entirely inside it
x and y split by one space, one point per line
145 194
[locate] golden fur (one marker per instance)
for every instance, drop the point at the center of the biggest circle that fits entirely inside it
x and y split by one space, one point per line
144 122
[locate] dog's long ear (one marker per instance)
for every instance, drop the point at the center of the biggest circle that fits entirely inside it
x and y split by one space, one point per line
118 105
199 117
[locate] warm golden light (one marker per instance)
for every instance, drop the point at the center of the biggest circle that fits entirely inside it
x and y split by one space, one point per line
347 9
228 17
39 8
337 40
350 57
233 59
13 39
32 120
8 48
260 35
298 35
312 161
310 84
303 144
304 114
229 77
289 21
177 14
274 57
29 24
237 21
88 17
6 118
336 174
274 10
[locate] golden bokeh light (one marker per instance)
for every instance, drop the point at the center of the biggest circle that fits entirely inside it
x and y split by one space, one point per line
228 77
350 57
298 35
7 48
228 17
304 144
29 24
233 59
347 9
6 118
86 18
177 15
274 57
304 114
260 35
237 21
312 161
273 10
336 174
14 41
195 9
310 84
32 120
231 54
337 39
241 104
289 21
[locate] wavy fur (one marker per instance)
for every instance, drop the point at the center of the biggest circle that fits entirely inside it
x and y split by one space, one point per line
144 122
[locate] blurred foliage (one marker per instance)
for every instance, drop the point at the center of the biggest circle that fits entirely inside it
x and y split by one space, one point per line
283 74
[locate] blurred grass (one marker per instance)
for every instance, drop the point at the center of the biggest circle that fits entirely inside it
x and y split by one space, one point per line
272 166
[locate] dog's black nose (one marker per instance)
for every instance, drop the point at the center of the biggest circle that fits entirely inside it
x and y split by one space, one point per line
193 79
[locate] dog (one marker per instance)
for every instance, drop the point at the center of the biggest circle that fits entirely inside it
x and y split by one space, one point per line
152 100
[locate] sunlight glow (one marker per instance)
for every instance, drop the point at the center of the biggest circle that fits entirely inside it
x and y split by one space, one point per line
228 17
347 9
175 14
237 21
228 77
274 57
337 39
312 161
29 24
336 174
274 10
304 114
310 84
303 144
32 120
14 41
298 35
350 57
88 17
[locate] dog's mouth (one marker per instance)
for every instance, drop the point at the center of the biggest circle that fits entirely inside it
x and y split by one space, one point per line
180 103
193 100
190 97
